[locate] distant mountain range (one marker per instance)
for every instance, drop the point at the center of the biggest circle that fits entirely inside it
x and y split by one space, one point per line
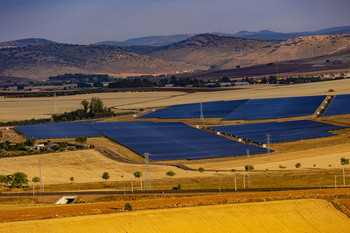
39 58
143 42
265 35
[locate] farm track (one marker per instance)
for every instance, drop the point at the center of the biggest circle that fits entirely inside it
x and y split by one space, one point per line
188 191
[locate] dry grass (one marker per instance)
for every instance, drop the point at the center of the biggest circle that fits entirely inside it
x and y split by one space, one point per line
275 216
85 166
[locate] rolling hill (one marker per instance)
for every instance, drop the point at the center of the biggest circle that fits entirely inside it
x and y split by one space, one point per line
25 42
227 52
42 61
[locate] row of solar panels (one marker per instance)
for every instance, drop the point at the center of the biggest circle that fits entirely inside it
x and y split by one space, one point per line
164 141
279 131
255 109
175 140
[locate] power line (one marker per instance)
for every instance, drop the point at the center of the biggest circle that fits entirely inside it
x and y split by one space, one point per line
148 180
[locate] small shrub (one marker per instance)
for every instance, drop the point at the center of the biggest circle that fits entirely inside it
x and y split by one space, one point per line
331 90
282 167
344 161
128 207
314 165
170 173
201 169
329 165
249 167
298 165
178 187
105 176
233 170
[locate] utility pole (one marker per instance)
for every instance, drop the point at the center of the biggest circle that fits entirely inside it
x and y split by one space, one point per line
201 110
235 183
335 181
243 180
148 180
249 178
268 146
41 178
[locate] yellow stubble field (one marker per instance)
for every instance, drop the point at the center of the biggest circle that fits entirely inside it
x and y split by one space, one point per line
276 216
27 108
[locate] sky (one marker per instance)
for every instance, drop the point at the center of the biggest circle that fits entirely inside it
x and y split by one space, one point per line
91 21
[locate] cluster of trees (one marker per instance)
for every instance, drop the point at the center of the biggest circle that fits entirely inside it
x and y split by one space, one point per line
82 78
17 180
10 149
132 83
91 110
273 80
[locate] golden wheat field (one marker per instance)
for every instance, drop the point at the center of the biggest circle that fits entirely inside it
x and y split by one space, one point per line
27 108
276 216
85 166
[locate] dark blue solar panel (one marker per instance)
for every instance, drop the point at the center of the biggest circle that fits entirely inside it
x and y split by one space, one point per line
279 131
58 130
173 140
210 110
339 105
256 109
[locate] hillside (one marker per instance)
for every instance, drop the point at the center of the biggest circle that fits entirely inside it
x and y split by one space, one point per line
210 49
42 61
228 52
25 42
335 61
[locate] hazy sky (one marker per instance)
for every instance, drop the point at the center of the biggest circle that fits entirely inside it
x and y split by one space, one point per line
87 21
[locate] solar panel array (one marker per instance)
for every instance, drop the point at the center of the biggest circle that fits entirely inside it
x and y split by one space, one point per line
255 109
172 140
339 105
279 131
210 110
58 130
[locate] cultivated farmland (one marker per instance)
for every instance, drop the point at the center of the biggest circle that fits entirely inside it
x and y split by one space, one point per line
278 216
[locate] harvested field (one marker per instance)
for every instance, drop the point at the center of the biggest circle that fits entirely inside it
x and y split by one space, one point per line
43 107
276 216
85 166
322 156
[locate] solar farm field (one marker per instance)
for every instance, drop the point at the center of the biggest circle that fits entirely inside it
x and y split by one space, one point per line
339 105
279 131
256 109
172 140
210 110
58 130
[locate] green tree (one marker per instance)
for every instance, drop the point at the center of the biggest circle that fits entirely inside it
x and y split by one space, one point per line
71 179
5 180
19 179
128 207
105 176
138 174
82 140
30 142
201 169
344 161
249 167
85 104
36 179
298 165
170 173
96 105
